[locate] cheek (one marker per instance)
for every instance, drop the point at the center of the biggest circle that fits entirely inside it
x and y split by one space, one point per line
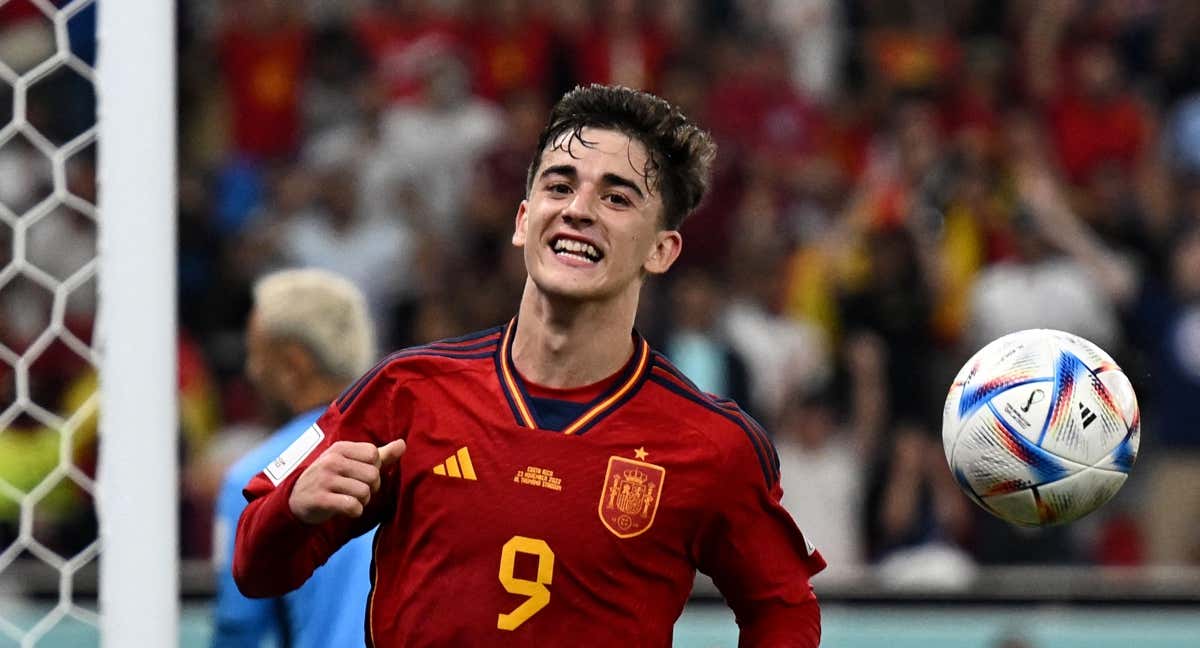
259 369
641 244
254 369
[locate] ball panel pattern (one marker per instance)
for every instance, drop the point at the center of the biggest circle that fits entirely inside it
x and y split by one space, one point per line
1040 427
1073 497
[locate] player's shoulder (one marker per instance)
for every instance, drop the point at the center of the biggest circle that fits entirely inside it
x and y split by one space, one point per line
406 368
722 416
435 358
722 422
449 352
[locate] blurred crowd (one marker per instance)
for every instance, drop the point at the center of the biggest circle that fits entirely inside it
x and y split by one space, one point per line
898 183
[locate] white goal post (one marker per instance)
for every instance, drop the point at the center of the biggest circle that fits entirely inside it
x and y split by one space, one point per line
44 140
137 476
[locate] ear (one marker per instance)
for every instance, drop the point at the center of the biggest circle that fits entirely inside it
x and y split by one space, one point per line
521 225
667 246
296 362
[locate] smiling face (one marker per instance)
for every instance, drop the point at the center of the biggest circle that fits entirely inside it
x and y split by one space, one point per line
591 226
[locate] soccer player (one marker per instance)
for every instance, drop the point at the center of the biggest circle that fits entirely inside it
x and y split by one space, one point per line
552 481
308 337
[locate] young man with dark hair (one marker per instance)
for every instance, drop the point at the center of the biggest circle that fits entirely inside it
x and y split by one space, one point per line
553 480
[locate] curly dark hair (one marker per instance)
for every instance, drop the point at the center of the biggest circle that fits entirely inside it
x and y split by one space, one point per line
680 153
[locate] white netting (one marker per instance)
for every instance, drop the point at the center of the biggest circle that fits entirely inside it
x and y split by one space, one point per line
47 305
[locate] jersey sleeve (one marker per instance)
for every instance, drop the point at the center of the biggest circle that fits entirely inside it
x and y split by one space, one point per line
755 554
238 622
275 552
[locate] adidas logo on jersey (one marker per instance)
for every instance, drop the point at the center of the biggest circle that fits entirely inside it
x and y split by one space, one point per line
457 465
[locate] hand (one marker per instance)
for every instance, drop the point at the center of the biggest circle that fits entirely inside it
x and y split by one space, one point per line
1039 190
342 480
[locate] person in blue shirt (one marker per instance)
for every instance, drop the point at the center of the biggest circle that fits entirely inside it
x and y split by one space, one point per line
308 336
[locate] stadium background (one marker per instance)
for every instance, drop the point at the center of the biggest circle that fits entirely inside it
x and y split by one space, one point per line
875 217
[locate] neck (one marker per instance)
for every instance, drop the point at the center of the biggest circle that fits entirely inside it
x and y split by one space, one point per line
566 343
317 393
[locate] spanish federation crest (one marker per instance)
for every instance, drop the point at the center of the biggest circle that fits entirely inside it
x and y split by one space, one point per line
632 490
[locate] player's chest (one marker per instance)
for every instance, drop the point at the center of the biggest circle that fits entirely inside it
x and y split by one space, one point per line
620 483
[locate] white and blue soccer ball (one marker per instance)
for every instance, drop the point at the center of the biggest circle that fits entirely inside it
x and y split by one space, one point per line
1041 427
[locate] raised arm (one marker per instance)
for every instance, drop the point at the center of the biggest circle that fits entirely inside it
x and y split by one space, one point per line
1038 188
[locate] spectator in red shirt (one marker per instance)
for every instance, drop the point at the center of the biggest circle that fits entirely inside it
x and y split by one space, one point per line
1095 119
512 50
263 52
624 48
400 37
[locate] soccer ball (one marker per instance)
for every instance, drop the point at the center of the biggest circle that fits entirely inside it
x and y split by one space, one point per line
1040 427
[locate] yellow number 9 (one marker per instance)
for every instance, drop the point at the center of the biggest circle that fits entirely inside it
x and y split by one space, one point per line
538 593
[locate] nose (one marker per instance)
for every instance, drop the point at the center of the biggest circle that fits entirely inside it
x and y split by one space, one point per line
580 211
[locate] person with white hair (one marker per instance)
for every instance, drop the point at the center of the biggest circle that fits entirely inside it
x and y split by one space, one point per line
308 336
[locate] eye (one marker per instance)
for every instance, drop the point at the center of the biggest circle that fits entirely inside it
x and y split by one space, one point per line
560 188
619 200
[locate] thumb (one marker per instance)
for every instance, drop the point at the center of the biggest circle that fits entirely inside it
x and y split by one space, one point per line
391 452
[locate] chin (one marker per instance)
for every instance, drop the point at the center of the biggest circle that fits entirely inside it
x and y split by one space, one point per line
565 289
569 290
277 412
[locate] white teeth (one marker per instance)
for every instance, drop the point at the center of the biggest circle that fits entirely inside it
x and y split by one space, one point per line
579 248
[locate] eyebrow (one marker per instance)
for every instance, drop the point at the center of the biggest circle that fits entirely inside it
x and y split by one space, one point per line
612 179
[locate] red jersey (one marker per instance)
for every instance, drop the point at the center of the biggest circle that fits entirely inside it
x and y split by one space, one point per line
264 73
516 519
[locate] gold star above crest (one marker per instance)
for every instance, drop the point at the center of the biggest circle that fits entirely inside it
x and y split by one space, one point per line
640 453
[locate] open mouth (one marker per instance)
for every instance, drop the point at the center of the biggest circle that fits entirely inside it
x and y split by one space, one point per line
575 249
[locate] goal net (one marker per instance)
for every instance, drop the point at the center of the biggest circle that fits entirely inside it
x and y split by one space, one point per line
87 324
